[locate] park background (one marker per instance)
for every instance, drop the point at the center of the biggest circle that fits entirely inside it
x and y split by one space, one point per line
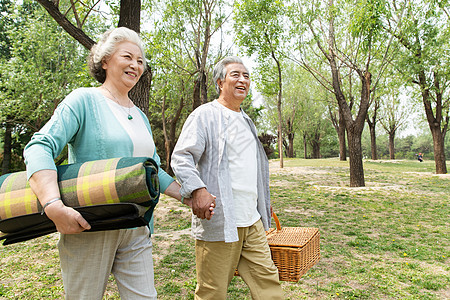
353 90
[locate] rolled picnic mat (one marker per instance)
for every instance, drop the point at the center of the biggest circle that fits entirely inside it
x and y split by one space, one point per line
93 188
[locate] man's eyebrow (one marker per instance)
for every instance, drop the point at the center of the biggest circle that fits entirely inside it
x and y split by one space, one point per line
233 72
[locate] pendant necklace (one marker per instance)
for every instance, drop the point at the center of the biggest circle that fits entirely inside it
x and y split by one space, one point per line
130 117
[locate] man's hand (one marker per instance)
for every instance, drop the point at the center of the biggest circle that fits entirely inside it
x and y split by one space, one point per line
203 203
66 219
188 202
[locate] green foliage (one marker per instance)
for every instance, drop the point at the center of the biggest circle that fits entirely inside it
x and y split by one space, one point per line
255 113
5 22
266 78
260 30
406 147
45 64
181 51
305 107
424 35
182 29
366 20
258 24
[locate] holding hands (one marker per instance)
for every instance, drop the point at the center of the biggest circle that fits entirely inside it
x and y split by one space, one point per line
202 203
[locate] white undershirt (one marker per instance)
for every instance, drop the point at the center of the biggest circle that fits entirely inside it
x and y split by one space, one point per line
143 144
241 152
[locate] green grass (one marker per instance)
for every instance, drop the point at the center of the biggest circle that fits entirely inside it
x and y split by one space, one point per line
388 240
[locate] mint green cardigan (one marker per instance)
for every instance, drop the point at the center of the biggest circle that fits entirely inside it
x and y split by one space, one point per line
85 122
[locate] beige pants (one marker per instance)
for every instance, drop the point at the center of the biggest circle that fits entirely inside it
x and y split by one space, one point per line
87 260
217 261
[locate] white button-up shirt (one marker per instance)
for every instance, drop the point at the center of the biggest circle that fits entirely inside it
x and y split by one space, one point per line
200 160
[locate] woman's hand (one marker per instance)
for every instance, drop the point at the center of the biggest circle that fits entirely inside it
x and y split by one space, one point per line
67 220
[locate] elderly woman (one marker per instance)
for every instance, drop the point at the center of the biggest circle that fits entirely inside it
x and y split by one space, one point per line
99 123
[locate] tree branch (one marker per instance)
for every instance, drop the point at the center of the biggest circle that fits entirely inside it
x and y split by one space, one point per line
75 32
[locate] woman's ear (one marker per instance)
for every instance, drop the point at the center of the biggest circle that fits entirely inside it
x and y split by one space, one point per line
104 63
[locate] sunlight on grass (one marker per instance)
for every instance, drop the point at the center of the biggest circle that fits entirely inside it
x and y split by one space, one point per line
388 240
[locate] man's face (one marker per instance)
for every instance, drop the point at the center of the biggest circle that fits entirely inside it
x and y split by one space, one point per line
236 83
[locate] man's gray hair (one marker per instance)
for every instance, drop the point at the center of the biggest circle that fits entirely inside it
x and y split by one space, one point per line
106 46
220 70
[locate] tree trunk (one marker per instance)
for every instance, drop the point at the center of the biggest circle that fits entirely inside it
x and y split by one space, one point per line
280 133
204 88
434 114
315 149
392 144
354 127
435 124
77 33
286 148
356 162
339 126
342 140
315 144
305 152
291 145
200 93
164 130
173 136
205 49
373 140
170 134
130 14
169 146
280 118
290 135
7 141
196 97
130 17
439 150
372 122
140 93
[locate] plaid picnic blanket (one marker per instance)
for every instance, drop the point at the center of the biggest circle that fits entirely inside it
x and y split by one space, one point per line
116 180
110 194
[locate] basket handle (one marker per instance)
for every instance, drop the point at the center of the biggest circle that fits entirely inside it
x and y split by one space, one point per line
277 222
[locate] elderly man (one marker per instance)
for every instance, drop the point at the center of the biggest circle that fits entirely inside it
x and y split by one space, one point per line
219 159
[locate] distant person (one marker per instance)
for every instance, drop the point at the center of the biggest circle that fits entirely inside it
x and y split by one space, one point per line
420 157
99 123
218 153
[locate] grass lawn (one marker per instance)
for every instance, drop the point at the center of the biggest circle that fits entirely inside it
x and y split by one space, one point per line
388 240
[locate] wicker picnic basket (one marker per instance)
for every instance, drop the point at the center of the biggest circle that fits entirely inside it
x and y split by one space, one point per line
294 250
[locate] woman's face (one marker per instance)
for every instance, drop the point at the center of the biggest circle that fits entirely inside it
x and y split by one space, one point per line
125 66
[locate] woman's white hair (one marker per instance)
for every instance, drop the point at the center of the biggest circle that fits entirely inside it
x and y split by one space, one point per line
106 47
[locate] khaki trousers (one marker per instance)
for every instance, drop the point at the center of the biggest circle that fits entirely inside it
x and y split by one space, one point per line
88 258
217 261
